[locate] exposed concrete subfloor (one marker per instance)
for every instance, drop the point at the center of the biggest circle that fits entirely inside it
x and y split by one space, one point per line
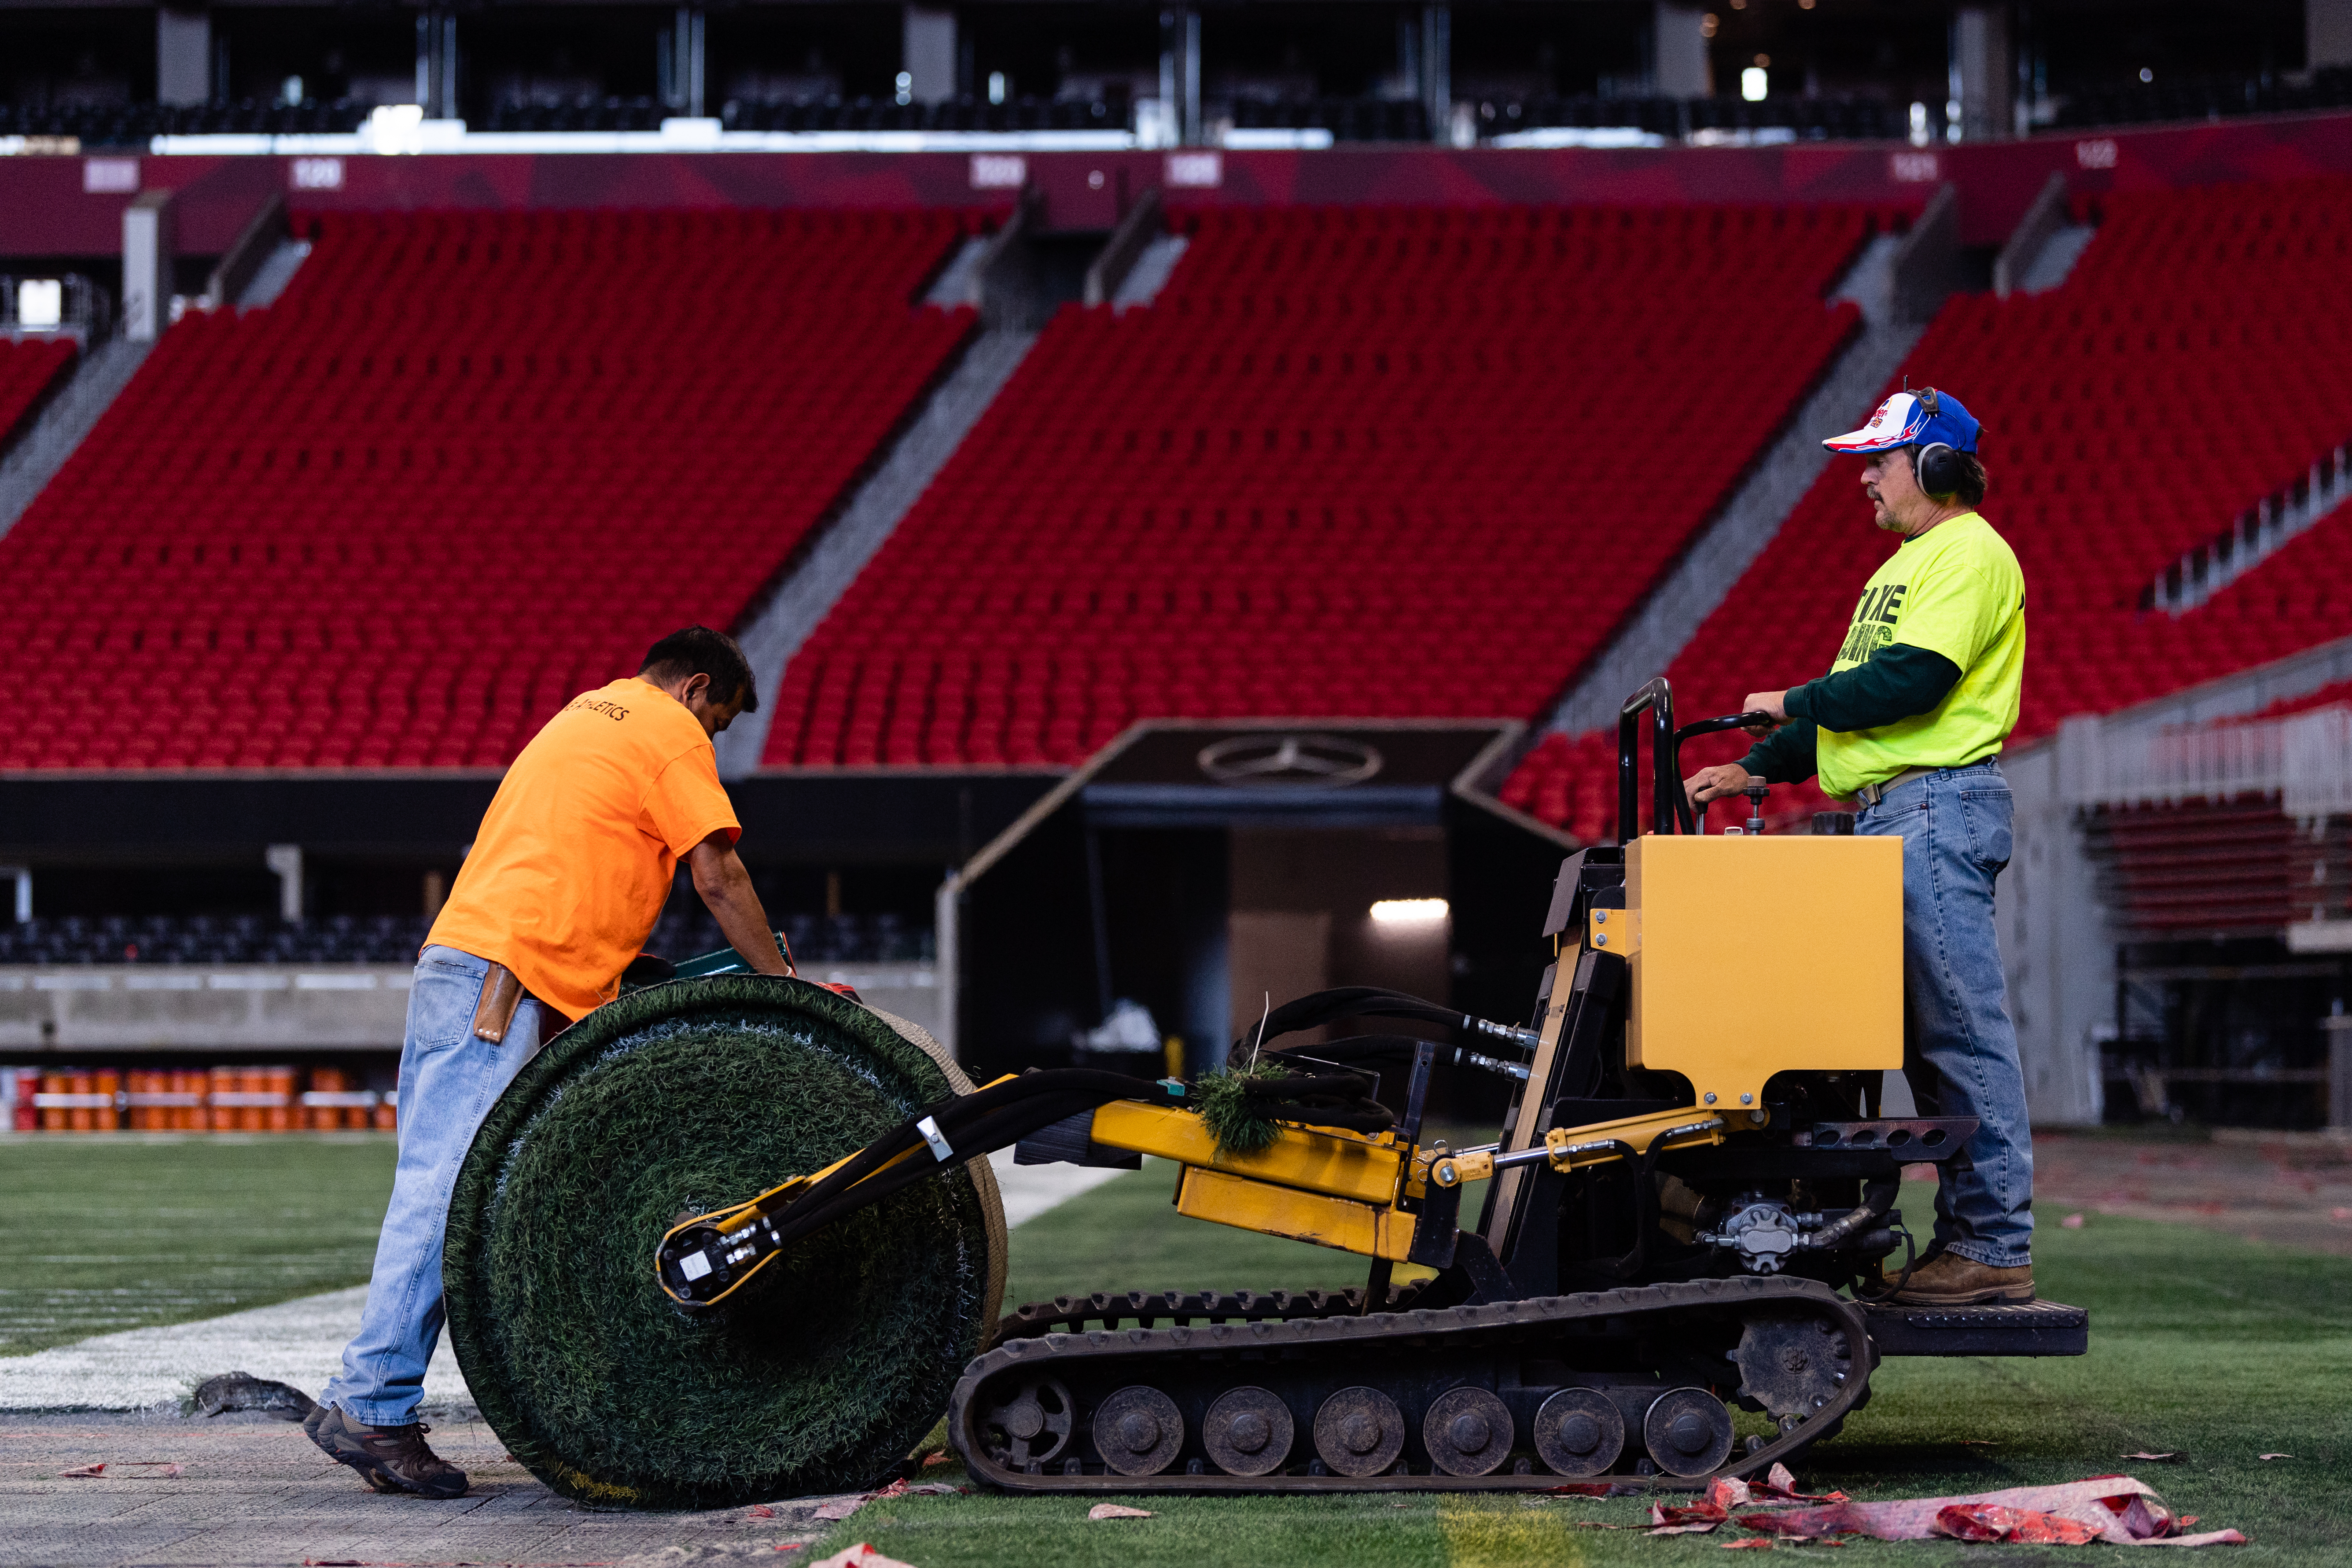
2291 1189
254 1490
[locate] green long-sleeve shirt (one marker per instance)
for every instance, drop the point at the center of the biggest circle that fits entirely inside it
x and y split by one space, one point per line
1897 682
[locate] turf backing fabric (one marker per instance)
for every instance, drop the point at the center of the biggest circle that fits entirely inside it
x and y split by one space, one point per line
674 1101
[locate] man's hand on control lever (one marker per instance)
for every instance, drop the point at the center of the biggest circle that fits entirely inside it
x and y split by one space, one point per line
1715 783
1731 778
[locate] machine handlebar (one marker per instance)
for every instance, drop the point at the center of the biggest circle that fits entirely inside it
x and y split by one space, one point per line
1670 810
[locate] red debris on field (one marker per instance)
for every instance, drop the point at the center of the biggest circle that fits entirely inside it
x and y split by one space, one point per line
162 1470
761 1511
861 1555
2114 1508
1991 1521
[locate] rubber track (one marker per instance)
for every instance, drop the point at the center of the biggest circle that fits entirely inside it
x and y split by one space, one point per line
1071 1314
1321 1319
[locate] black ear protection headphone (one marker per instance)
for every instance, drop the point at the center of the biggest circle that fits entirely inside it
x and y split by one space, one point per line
1936 464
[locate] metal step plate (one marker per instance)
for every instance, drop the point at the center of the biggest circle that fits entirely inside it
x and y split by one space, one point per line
2036 1328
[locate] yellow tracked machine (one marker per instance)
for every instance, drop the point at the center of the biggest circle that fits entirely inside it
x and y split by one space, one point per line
1687 1212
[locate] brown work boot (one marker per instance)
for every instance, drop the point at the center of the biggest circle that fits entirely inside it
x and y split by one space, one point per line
1947 1279
389 1458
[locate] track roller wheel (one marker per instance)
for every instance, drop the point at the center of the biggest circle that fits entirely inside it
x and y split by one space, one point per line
1580 1432
1033 1428
1139 1431
1248 1432
1467 1432
1358 1432
1688 1431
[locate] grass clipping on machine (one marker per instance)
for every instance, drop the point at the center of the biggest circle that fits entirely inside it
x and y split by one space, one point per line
1239 1124
679 1098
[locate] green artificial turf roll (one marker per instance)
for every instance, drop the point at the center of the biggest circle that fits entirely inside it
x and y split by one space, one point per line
676 1099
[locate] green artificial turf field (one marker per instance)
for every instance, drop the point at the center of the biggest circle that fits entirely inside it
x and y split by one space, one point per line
2212 1348
125 1232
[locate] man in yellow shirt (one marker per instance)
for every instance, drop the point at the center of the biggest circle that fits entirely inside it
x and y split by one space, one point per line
574 862
1910 721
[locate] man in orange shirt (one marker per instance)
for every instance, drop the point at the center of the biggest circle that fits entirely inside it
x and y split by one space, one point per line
574 862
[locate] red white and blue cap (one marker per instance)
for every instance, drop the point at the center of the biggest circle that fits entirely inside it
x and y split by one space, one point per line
1912 419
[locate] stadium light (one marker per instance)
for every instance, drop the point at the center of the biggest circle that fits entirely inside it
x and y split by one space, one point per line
906 87
1409 911
996 87
1753 84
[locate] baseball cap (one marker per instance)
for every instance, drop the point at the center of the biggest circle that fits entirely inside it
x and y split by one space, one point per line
1913 418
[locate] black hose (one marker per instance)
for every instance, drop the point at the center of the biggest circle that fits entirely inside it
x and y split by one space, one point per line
1319 1007
1877 1197
1342 1100
973 1124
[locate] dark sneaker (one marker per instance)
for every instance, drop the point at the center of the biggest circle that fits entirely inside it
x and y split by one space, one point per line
389 1458
1947 1279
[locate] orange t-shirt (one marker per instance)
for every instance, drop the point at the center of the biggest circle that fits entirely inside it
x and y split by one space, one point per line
577 853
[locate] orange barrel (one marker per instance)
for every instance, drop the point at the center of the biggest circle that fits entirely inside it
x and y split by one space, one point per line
82 1084
221 1081
53 1116
190 1083
280 1117
140 1083
108 1118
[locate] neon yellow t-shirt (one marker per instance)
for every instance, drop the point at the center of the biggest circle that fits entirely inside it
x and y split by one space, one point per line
1956 590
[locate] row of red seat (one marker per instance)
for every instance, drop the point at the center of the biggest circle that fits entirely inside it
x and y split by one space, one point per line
2177 431
1350 463
468 465
28 367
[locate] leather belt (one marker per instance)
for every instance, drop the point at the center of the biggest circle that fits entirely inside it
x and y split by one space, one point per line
494 1014
1871 794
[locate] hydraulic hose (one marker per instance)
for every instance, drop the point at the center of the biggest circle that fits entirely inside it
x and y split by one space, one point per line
1877 1197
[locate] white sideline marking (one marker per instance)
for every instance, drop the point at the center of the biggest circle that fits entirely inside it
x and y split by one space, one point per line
1030 1189
301 1342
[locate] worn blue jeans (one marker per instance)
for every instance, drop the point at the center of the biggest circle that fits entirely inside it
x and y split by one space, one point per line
1959 1047
449 1080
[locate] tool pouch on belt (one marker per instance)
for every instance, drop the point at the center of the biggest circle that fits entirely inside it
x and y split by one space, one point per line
501 994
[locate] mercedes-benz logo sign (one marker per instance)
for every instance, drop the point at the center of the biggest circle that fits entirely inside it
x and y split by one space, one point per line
1290 761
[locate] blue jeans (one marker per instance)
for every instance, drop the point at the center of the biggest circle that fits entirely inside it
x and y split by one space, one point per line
449 1080
1959 1047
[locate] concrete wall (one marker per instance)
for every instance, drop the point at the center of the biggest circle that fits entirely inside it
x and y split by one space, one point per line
2057 942
131 1007
294 1009
2056 947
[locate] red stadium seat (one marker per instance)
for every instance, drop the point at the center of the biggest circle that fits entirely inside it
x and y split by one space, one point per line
1353 463
469 465
28 368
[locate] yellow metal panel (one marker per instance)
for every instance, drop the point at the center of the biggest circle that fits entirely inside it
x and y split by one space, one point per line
1339 1163
1236 1201
1756 955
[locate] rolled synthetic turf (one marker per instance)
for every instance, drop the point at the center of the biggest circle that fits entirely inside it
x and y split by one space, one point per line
676 1099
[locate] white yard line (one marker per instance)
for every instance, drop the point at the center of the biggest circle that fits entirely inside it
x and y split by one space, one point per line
301 1342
